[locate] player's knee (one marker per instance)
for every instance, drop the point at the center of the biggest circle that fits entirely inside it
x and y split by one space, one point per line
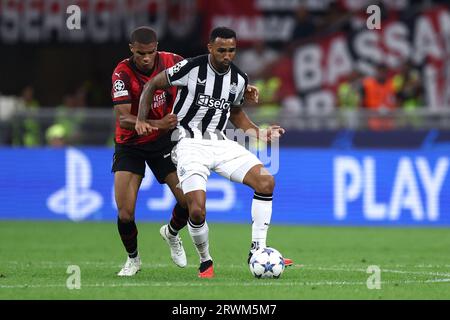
197 214
126 215
266 184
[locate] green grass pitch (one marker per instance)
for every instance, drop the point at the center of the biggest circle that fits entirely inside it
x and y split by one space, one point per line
329 263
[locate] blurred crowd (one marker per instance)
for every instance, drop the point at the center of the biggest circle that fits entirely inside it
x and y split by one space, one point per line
383 91
27 124
378 92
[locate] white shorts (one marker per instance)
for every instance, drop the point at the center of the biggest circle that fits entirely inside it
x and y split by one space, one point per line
198 157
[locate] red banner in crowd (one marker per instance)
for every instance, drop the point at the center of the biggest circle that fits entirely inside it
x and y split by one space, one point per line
311 71
319 66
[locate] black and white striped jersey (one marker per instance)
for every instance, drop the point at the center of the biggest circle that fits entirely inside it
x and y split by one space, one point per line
205 96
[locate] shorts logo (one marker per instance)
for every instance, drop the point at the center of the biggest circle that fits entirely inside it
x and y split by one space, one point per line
182 172
118 85
204 100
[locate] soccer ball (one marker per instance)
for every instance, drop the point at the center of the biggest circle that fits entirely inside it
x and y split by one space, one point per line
267 263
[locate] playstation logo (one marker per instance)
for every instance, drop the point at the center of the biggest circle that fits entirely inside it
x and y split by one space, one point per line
76 199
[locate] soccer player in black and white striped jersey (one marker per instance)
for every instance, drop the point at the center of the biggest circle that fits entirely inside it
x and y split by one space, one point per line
210 92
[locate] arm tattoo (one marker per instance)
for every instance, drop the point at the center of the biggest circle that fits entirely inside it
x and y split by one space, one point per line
146 98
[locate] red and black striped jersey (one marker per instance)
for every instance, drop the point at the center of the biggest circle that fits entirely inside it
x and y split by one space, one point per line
127 84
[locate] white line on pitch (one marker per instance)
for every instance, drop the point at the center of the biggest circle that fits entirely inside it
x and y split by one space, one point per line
440 274
345 268
256 283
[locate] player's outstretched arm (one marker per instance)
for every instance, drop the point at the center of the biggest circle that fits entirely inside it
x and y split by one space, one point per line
128 120
169 121
158 82
240 120
271 133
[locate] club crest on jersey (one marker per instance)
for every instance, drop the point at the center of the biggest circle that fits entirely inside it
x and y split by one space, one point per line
204 100
233 88
159 100
118 85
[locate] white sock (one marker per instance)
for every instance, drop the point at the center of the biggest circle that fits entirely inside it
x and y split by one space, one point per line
199 235
261 215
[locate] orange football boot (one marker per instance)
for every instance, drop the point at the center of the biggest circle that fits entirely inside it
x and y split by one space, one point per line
206 269
288 262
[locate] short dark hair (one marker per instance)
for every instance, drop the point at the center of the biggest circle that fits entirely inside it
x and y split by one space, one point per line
144 35
222 32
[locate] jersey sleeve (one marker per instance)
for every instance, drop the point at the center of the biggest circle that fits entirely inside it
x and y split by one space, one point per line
240 97
177 58
121 87
178 74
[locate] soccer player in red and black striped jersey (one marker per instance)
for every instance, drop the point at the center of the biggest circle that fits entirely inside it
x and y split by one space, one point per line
132 151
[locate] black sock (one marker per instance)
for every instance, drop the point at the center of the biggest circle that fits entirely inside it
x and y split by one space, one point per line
128 233
179 219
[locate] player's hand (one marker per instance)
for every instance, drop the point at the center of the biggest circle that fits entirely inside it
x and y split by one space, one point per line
143 127
271 133
169 121
251 94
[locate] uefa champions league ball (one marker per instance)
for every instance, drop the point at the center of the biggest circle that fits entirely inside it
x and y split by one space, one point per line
267 263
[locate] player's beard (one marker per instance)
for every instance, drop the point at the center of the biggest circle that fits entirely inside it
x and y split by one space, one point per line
225 65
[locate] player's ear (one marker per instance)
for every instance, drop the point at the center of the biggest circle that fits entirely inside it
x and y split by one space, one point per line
131 47
210 47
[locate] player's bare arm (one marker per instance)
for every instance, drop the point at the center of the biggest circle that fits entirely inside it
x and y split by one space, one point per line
169 121
240 120
128 120
123 113
158 82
